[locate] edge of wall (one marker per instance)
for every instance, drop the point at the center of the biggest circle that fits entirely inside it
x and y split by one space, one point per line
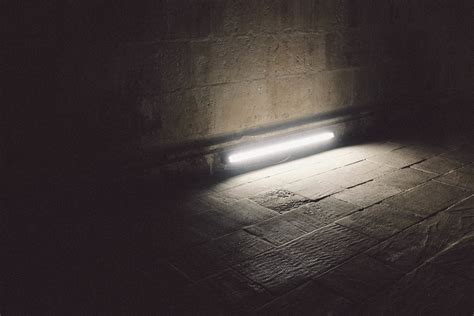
205 157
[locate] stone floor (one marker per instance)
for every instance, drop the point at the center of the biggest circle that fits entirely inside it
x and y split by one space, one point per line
377 228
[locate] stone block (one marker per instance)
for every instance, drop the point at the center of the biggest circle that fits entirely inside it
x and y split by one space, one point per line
276 271
253 188
332 15
457 259
294 53
424 291
410 248
236 292
170 118
438 165
287 54
279 230
359 278
428 198
325 248
280 200
463 177
315 187
247 212
380 221
325 211
367 194
356 173
240 106
235 18
346 49
219 254
228 60
290 98
213 224
405 179
465 154
189 18
332 90
308 299
167 69
366 91
401 158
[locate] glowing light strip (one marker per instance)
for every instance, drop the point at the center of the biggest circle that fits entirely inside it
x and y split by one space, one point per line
282 147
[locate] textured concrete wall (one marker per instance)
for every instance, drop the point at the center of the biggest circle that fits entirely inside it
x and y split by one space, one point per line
187 70
167 72
192 69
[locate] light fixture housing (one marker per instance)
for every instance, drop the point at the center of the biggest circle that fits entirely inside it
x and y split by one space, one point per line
277 148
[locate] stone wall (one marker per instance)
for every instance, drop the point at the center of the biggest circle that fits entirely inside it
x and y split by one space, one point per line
161 73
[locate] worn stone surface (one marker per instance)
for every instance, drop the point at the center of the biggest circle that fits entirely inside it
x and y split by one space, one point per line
413 246
219 254
213 224
463 177
405 179
438 164
253 188
402 157
275 270
428 198
425 291
380 221
280 229
359 278
326 247
314 188
247 212
326 211
280 200
458 258
465 154
368 193
357 173
236 291
309 299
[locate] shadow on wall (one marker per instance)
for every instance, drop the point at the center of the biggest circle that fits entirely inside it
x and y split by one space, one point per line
125 77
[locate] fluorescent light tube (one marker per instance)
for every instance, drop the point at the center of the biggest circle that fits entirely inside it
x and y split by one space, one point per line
279 148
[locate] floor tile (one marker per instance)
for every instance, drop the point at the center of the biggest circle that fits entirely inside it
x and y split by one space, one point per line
400 158
216 255
458 258
359 278
367 194
464 154
425 291
405 179
279 230
235 291
413 246
380 221
250 189
428 198
280 200
314 187
438 165
463 178
326 247
325 211
213 224
309 299
247 212
356 173
275 270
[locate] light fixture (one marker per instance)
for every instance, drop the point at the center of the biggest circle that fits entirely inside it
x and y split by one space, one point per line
279 148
